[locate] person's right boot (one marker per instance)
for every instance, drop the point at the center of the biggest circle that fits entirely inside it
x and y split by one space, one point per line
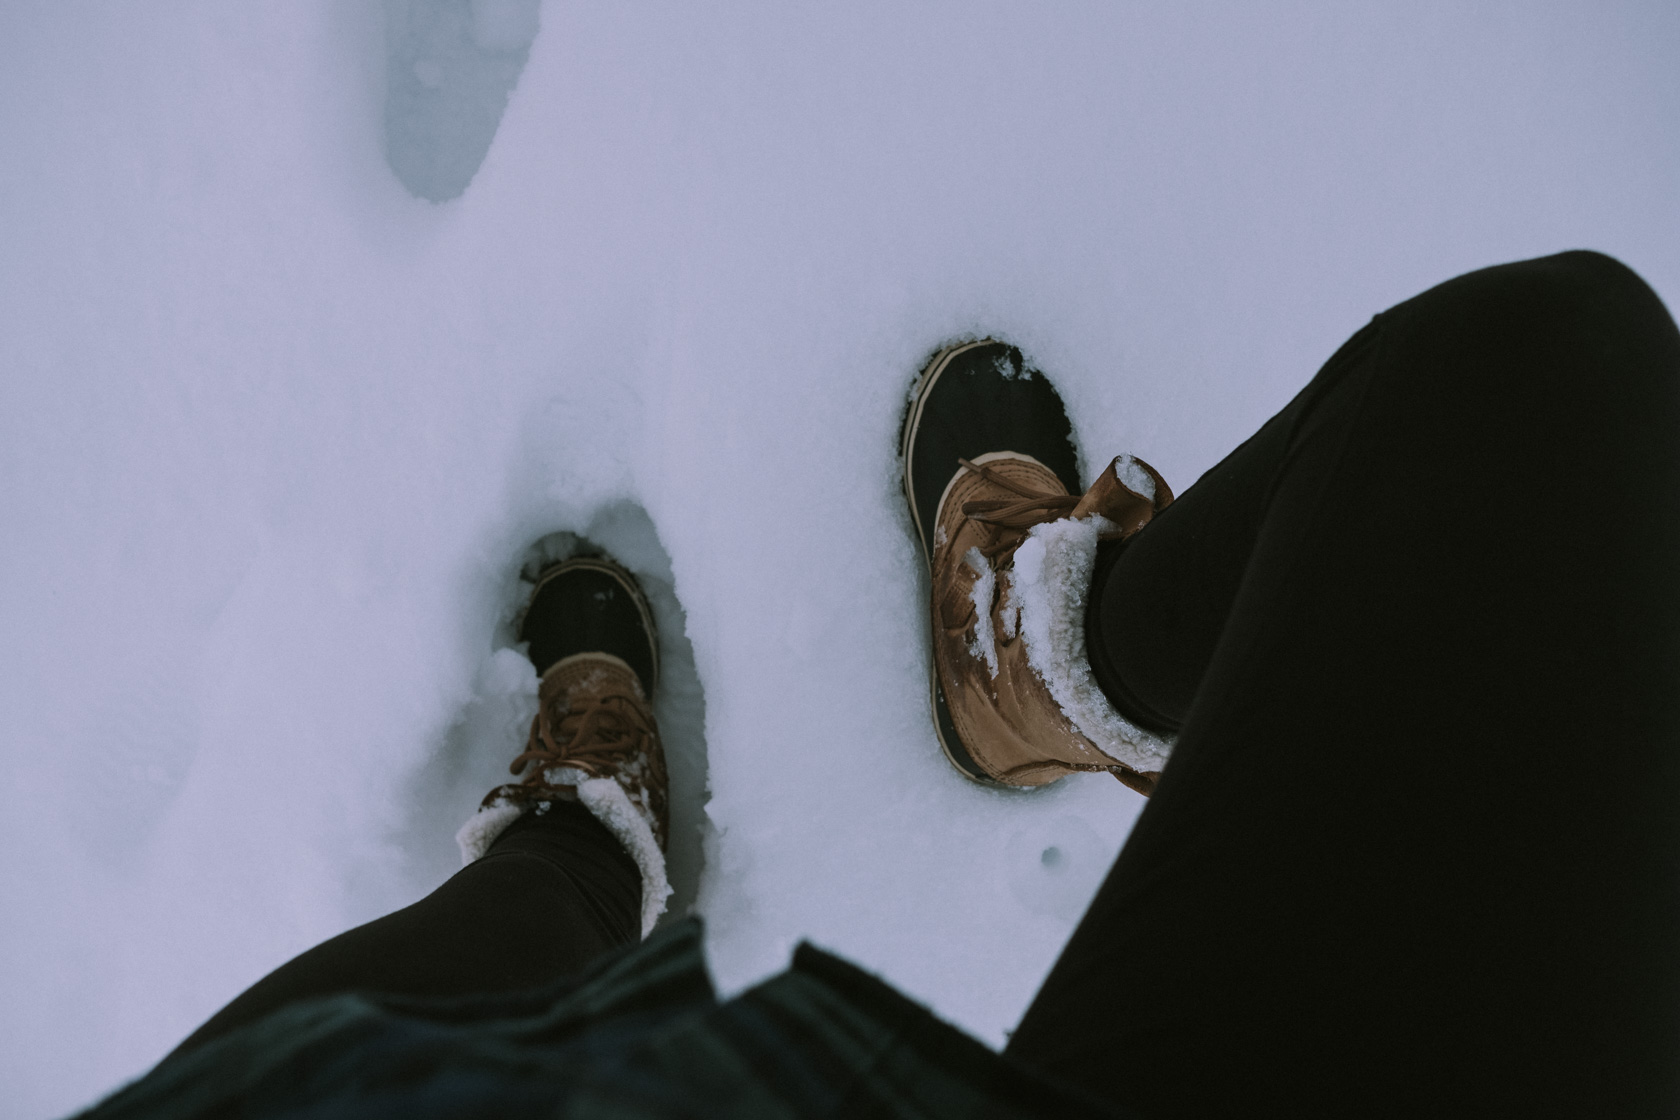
992 480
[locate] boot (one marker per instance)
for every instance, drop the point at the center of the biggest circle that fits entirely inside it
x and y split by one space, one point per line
990 472
592 641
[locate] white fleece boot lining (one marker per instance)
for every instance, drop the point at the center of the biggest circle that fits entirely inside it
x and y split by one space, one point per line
482 828
1051 575
608 803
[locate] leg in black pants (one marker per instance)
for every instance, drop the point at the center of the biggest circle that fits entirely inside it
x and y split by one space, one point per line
554 892
1417 851
556 888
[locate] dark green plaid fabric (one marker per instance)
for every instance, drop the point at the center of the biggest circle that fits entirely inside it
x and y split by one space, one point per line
640 1036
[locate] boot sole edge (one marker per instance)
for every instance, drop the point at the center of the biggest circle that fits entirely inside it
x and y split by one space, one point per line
951 746
925 381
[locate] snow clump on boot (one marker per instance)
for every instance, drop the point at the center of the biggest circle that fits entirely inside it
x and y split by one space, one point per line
1051 577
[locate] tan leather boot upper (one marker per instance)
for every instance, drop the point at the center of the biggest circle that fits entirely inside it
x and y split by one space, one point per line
1006 715
593 721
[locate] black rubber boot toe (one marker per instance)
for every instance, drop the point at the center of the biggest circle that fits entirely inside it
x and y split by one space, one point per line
589 604
974 398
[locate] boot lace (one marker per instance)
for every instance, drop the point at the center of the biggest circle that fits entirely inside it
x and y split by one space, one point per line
1006 519
603 738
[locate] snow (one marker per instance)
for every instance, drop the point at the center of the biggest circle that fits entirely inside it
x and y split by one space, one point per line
981 595
1134 477
1050 577
1055 864
449 68
275 433
1010 370
504 25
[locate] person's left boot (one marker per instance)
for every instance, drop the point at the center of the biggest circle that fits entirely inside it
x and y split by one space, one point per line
594 739
991 477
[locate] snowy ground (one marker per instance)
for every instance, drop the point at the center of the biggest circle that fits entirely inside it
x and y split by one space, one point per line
275 434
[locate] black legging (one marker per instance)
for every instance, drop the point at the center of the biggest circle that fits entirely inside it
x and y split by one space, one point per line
555 891
1418 848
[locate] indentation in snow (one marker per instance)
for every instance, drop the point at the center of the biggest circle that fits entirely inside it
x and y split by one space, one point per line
1054 866
450 67
505 25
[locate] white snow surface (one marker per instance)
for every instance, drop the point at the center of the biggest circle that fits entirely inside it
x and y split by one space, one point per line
275 433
